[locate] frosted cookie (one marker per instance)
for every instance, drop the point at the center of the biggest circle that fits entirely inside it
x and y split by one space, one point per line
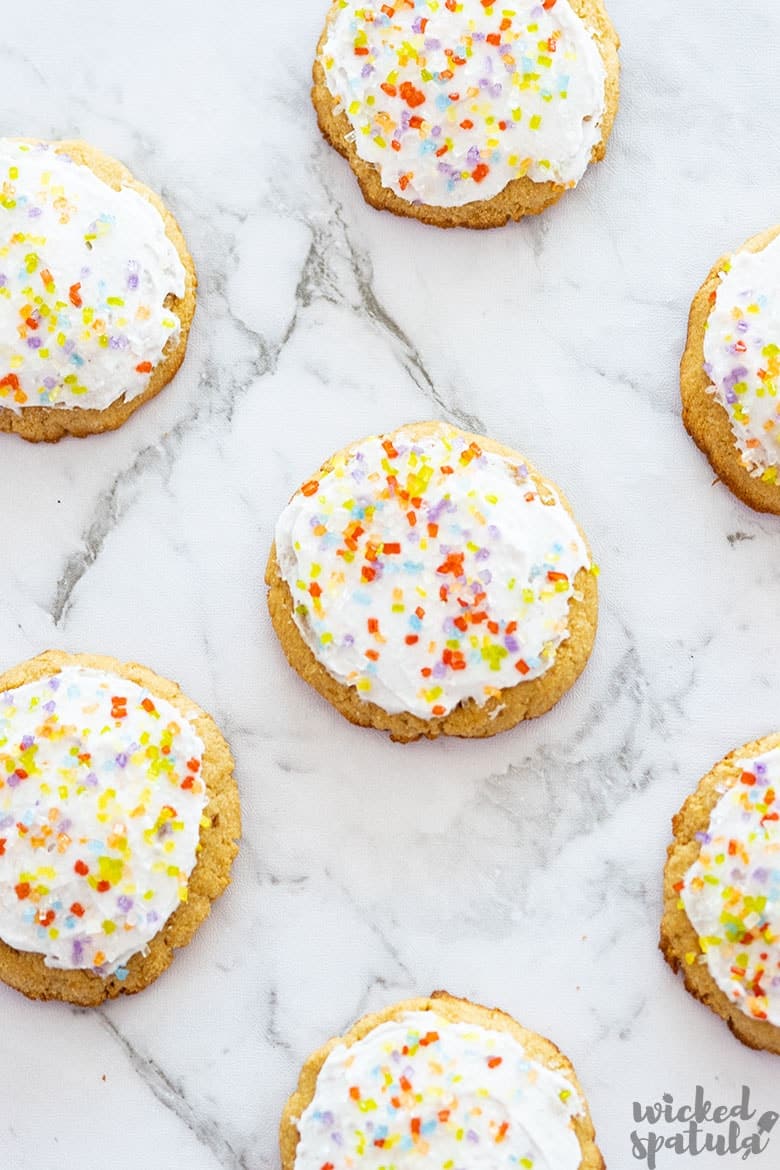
119 817
462 113
97 291
438 1082
430 582
721 923
730 373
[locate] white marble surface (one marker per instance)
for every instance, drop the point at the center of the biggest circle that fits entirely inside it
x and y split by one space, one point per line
523 871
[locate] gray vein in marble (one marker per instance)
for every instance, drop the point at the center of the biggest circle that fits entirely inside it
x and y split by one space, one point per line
172 1097
319 279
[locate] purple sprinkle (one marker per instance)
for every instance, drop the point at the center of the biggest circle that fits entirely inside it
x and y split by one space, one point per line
34 343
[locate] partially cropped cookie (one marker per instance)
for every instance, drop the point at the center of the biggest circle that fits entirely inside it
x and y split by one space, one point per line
97 291
730 372
119 820
438 1082
466 113
430 582
721 923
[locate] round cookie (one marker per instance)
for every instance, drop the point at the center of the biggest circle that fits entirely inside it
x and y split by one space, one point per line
730 371
721 922
466 114
404 1086
430 582
97 291
119 820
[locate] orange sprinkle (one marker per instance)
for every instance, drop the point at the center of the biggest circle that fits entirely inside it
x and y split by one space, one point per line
310 488
411 95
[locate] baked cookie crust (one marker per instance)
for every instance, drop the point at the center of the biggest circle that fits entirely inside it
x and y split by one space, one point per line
678 935
468 720
43 424
451 1008
520 197
705 419
26 971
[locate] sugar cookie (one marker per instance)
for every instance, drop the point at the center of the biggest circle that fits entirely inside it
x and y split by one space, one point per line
438 1081
97 291
119 816
721 923
431 582
463 113
730 372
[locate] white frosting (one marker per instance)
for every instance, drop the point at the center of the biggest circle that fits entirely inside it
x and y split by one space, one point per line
453 103
100 809
423 1091
427 572
84 274
731 893
742 356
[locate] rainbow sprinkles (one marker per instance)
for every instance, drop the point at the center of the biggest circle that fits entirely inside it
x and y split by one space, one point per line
422 1090
426 572
453 99
101 806
85 276
731 894
742 356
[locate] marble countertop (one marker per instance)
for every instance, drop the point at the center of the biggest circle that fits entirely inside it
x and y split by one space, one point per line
523 871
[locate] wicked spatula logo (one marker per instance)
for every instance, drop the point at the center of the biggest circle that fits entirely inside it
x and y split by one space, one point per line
668 1127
